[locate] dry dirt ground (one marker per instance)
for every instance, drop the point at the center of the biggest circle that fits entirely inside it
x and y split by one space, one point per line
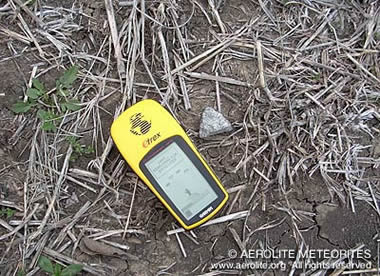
302 164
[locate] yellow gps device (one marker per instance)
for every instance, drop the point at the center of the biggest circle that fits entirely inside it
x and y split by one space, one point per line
163 156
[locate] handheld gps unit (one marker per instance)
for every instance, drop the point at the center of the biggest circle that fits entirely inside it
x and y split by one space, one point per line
163 156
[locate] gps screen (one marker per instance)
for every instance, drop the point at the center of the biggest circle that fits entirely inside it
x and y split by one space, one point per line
181 180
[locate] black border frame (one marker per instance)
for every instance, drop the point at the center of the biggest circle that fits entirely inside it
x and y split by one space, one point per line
198 164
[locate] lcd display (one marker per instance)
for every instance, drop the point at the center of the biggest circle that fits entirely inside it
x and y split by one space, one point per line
181 180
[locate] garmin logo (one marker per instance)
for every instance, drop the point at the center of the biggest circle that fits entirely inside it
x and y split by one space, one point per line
206 212
139 126
150 140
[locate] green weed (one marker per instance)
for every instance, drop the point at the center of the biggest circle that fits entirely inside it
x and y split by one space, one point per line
50 107
56 269
78 148
7 212
21 272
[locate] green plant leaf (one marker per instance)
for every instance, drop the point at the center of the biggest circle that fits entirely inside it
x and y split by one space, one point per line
49 126
43 114
33 93
89 150
72 270
38 85
10 212
57 84
63 107
63 92
78 148
45 264
21 107
72 139
69 76
47 115
21 272
72 105
57 270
